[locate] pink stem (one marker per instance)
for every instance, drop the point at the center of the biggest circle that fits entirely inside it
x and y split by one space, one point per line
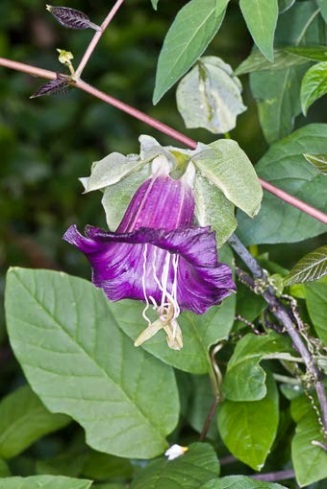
178 136
96 38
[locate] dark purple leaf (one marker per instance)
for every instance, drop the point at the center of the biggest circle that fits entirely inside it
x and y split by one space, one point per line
59 85
71 18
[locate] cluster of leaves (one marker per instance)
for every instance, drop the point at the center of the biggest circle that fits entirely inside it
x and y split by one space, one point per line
76 349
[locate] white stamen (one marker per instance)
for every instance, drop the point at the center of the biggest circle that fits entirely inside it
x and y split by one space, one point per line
147 305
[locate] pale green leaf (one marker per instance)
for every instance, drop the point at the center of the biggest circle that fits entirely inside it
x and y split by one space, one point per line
245 379
261 19
311 267
23 420
198 465
213 209
194 27
225 165
209 96
44 482
155 4
318 161
117 198
314 85
284 166
316 300
240 482
309 460
248 429
80 363
257 62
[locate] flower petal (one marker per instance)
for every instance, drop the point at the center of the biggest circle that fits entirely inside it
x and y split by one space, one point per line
118 263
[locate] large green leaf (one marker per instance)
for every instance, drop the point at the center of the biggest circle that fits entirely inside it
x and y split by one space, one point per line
309 460
278 92
314 85
4 469
239 482
80 363
248 429
23 420
224 164
194 27
245 379
311 267
209 96
198 465
314 53
316 298
261 18
284 166
44 482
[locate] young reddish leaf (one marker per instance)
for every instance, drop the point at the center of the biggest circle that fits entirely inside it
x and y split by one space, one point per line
72 18
59 85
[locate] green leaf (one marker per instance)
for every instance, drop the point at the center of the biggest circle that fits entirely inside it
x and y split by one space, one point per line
257 62
314 53
248 429
284 5
80 363
240 482
111 170
309 460
200 404
213 209
224 164
261 18
318 161
100 466
278 92
284 166
23 420
314 85
316 300
311 267
209 96
194 27
248 305
4 469
323 8
44 481
245 379
198 465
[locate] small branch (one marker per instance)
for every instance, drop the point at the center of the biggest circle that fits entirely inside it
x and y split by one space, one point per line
137 114
29 69
209 418
96 38
163 128
275 476
284 316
